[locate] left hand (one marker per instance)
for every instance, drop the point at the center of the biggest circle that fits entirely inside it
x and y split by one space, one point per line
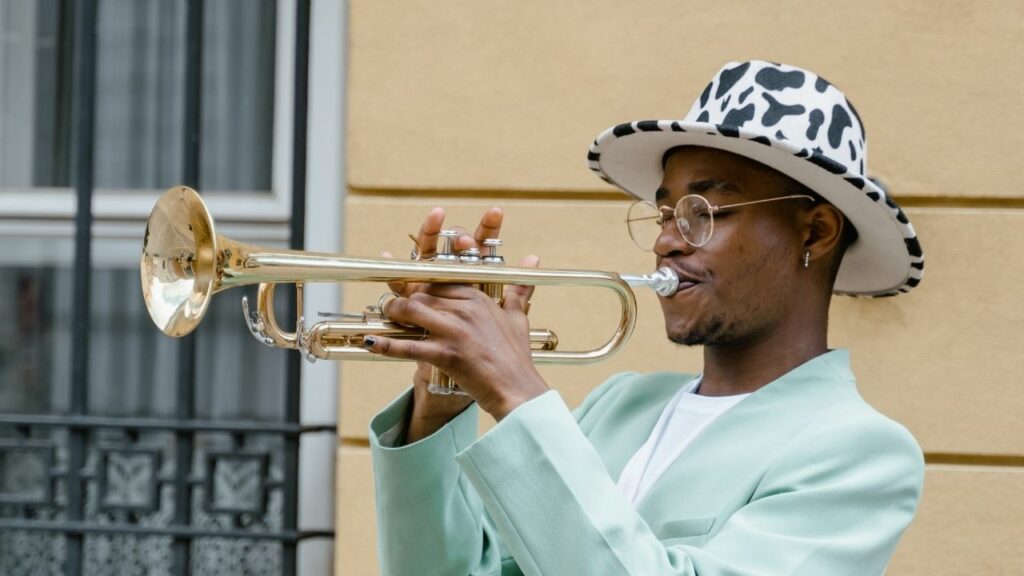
483 346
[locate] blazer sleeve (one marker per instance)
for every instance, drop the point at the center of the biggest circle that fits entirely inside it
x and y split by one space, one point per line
834 503
430 520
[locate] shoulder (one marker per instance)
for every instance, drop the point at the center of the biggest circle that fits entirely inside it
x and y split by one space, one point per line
850 470
851 441
856 422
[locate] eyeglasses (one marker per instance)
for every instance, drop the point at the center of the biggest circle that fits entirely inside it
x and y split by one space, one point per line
693 215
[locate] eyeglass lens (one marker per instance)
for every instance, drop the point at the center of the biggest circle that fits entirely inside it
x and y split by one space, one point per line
693 215
644 221
692 218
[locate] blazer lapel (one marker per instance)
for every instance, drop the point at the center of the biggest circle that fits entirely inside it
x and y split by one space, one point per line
740 443
628 424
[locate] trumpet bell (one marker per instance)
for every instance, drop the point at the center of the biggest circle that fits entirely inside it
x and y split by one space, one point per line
178 265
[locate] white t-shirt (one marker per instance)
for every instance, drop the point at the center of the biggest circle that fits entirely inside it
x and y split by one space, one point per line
682 420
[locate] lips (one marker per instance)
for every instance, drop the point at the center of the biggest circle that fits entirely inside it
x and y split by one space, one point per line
685 285
687 279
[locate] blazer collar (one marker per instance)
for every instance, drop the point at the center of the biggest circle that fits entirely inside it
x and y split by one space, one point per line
748 433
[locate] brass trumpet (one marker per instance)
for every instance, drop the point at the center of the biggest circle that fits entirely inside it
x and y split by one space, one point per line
184 263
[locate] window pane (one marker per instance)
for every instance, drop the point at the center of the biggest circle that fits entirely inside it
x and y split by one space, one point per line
140 93
34 94
133 367
238 94
35 335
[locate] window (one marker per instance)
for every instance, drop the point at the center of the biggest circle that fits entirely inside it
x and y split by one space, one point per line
245 170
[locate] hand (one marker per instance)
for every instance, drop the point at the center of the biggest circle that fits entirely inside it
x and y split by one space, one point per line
430 411
483 346
426 241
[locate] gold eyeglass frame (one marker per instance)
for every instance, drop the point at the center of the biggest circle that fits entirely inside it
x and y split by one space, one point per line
712 209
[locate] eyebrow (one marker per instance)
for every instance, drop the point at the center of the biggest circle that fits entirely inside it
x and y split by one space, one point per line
700 187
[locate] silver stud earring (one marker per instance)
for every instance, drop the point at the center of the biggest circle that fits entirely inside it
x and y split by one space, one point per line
807 258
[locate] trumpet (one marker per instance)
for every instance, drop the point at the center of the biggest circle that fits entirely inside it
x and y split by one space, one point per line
184 263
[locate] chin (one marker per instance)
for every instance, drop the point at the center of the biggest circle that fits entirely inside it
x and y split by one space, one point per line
710 332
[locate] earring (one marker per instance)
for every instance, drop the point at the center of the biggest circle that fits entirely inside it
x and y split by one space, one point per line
807 258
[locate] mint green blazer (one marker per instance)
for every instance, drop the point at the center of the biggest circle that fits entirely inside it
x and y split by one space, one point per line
802 477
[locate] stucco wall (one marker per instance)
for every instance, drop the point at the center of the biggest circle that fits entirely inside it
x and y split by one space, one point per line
470 104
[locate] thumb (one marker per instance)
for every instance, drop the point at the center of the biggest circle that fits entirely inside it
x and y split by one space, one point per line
396 287
519 295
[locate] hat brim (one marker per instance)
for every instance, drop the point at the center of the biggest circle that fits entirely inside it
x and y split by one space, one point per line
885 259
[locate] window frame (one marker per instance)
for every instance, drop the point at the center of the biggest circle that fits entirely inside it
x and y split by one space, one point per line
50 206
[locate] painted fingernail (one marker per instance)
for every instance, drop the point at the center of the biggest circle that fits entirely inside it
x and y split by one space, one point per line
369 341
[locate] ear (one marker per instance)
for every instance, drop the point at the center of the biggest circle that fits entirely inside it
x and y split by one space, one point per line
822 230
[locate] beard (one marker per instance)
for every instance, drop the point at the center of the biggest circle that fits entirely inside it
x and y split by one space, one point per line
711 333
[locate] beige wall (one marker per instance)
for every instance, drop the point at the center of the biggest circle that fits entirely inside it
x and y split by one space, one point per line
470 104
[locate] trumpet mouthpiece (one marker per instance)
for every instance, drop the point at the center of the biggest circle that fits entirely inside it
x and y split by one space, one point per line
664 281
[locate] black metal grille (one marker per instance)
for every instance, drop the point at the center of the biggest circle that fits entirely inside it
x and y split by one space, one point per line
83 493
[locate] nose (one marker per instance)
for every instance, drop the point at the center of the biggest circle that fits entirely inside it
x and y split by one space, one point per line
670 242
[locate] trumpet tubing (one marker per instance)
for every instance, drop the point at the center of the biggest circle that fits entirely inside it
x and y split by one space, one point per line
184 263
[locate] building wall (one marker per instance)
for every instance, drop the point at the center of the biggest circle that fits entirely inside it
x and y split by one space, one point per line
470 104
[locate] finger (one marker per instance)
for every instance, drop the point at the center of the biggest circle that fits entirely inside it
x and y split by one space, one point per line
418 310
426 239
464 240
452 292
421 377
531 261
396 287
422 350
490 225
519 293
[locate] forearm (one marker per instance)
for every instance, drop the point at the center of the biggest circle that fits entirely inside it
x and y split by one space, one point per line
430 520
427 413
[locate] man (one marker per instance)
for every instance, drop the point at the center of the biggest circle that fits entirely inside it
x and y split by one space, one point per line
768 462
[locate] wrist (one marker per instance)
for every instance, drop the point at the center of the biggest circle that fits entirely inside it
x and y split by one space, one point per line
429 406
504 405
429 413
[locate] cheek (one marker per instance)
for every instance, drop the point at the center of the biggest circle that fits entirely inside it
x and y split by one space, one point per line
752 265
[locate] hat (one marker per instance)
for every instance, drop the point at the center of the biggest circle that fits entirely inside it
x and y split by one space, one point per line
799 124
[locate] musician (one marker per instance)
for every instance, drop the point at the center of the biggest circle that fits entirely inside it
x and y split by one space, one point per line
767 461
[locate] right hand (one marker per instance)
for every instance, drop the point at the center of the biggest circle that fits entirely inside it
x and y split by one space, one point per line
430 412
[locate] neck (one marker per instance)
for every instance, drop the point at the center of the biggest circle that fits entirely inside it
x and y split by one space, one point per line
747 364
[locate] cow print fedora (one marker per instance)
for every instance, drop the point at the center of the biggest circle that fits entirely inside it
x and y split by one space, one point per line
798 123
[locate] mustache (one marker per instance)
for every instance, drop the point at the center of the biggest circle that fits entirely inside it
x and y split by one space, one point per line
685 271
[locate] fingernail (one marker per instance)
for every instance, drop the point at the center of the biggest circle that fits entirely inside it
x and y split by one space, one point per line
369 341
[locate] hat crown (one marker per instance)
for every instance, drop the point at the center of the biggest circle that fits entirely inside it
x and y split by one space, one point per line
789 104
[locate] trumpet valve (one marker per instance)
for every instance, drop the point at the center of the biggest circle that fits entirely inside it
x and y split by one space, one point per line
446 253
491 245
492 258
469 256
